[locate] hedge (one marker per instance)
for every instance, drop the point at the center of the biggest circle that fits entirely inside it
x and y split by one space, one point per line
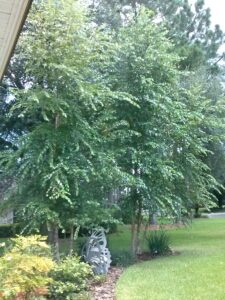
9 230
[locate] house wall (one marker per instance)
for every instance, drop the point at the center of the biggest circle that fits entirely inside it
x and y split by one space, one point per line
12 16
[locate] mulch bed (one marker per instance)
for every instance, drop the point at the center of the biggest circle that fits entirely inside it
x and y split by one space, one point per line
106 290
165 226
147 256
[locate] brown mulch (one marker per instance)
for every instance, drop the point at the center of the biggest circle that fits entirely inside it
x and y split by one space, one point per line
165 226
147 256
106 289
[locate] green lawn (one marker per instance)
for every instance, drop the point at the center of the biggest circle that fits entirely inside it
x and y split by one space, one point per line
198 272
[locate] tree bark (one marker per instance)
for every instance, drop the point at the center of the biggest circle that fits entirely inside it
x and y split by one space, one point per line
133 238
153 219
147 223
53 238
136 223
133 225
50 234
138 228
71 240
197 214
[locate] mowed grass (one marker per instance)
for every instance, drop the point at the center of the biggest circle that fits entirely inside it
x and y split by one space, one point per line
198 272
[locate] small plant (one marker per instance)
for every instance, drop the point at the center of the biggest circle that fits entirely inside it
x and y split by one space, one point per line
24 269
69 279
158 243
82 296
99 279
122 258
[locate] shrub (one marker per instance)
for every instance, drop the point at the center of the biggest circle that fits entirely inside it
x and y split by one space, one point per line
111 227
99 279
82 296
158 243
9 230
24 268
69 278
122 258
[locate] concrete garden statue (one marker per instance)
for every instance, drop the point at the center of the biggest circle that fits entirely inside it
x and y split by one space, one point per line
96 253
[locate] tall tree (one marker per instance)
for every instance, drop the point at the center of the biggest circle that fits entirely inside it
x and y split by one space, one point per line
56 163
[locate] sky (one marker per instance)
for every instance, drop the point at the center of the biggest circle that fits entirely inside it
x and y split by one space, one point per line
217 8
217 12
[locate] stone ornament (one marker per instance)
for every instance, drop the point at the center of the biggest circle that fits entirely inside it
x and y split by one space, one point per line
96 253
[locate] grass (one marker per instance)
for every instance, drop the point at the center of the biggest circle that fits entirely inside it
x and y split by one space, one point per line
198 272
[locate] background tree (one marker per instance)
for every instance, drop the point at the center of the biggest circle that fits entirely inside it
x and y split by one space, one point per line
188 26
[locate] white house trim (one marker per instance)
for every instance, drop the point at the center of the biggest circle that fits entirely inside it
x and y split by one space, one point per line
12 16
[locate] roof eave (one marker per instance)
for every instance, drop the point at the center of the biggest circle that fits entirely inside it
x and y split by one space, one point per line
12 39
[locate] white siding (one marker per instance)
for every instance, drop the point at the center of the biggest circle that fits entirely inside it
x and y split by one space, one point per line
12 14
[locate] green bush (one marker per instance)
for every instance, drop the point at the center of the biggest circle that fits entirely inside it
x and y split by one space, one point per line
24 268
9 230
99 279
122 258
112 227
158 243
82 296
69 279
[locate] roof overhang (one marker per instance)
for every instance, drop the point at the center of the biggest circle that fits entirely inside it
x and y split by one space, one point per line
12 17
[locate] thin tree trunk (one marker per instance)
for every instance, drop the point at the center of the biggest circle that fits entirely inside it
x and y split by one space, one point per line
55 244
138 228
133 237
55 227
50 234
71 240
148 222
197 214
153 219
134 224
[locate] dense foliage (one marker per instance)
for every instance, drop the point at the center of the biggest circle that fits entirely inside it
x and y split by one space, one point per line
24 268
69 278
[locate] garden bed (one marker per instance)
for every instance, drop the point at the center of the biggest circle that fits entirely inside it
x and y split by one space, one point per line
106 290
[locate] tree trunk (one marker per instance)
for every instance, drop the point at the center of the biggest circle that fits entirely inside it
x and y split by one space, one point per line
133 224
133 237
153 219
197 214
53 237
138 228
147 223
136 223
50 234
71 240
